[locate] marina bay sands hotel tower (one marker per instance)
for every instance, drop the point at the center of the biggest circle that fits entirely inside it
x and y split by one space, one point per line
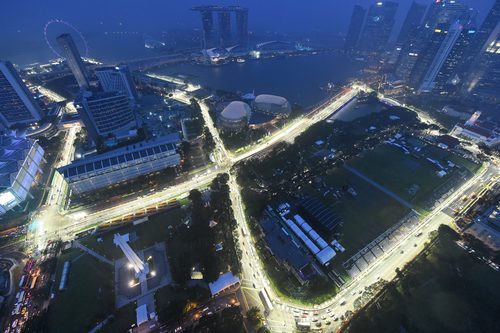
222 36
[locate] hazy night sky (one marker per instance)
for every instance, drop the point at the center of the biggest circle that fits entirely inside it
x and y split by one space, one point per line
22 21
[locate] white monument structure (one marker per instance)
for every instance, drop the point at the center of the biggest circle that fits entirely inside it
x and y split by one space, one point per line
140 267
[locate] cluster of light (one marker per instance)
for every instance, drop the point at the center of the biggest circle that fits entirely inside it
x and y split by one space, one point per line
6 198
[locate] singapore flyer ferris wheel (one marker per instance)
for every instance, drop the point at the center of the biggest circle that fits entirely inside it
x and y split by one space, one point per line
66 27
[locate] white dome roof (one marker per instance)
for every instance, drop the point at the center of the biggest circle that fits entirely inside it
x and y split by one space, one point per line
271 99
236 110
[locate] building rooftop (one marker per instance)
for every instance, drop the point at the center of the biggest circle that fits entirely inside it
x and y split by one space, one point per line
121 155
12 153
224 281
478 130
449 140
325 255
283 246
236 110
95 96
272 99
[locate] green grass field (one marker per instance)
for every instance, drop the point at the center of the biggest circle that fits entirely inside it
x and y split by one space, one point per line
365 216
154 230
88 298
398 172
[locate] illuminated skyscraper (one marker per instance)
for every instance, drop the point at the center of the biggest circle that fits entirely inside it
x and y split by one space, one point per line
378 26
426 57
224 29
352 37
488 84
17 105
412 21
440 55
477 59
74 60
444 12
242 26
220 35
106 114
423 42
451 74
207 21
117 79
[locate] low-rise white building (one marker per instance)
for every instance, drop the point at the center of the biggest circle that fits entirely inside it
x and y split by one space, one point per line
235 116
475 133
273 105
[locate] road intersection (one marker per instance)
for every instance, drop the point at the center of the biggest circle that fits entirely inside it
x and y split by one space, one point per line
50 223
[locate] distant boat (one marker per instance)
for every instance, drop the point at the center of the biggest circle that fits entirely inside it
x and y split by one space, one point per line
240 60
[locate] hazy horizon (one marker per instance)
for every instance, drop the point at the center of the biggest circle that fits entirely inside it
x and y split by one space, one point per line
22 22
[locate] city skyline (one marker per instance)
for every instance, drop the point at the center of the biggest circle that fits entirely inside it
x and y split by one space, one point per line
247 167
17 38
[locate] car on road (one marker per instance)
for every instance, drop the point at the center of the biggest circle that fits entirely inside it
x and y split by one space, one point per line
342 301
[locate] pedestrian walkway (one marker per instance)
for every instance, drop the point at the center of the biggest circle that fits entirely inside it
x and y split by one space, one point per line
82 247
378 186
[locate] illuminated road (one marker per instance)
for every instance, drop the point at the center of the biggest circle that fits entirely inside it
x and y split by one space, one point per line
384 268
55 97
47 218
49 224
58 185
298 126
254 279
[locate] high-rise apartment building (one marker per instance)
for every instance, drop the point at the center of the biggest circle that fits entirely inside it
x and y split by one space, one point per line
107 114
117 79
